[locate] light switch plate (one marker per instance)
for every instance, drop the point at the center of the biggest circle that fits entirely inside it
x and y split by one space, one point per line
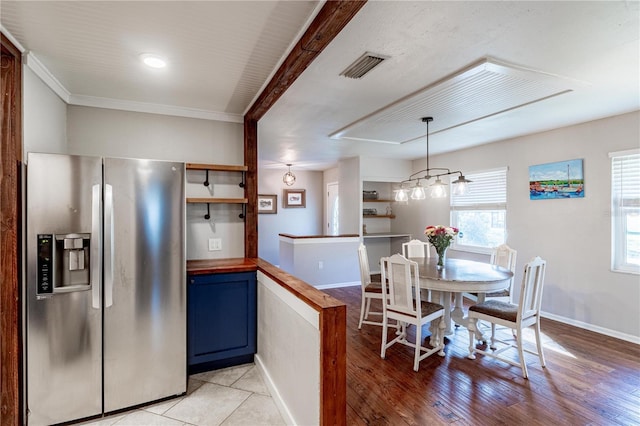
215 244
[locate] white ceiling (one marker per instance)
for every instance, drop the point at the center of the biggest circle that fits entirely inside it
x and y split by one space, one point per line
222 53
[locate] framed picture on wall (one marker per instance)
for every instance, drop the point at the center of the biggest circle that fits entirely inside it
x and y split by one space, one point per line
294 198
267 203
563 179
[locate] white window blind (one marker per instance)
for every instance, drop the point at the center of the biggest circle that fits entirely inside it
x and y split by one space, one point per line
487 188
481 213
625 211
625 180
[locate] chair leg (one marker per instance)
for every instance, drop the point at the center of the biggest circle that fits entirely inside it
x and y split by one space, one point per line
539 344
383 349
473 323
361 312
366 312
493 337
416 355
523 363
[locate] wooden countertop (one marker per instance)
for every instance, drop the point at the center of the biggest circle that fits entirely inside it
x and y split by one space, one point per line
221 266
318 236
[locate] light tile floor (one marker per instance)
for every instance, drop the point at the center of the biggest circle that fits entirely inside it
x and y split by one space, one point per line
228 397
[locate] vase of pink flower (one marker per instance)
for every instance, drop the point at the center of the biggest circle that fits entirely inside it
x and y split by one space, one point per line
440 237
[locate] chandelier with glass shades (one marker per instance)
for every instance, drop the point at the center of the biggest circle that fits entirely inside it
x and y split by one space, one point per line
412 187
289 178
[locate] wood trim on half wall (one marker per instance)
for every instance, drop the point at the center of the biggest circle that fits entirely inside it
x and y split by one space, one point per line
329 21
10 233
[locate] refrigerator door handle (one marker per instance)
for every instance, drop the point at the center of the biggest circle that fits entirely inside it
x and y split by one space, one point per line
108 245
96 232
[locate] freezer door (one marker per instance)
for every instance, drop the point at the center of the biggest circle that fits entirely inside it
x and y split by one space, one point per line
144 289
63 328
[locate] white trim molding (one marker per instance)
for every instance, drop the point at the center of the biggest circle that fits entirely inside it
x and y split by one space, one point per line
109 103
45 75
58 88
591 327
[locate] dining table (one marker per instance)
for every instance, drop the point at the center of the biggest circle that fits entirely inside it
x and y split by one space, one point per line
458 276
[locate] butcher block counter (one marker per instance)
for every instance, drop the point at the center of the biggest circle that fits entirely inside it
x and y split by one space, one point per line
219 266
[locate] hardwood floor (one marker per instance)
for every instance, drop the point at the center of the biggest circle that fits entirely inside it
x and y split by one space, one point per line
590 379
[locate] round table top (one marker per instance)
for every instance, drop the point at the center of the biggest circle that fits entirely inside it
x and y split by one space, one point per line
459 275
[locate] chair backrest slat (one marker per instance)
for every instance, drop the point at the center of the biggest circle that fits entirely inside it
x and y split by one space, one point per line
401 276
416 248
365 273
531 289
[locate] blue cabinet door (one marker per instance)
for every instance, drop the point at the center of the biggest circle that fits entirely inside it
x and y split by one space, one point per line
221 319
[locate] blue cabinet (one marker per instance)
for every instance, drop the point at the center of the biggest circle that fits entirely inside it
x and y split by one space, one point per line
221 320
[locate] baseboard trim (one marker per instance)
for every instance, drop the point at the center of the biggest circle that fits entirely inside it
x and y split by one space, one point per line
596 329
273 390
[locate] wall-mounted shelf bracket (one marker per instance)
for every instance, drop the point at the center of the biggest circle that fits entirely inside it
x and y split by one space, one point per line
208 215
206 179
241 184
243 215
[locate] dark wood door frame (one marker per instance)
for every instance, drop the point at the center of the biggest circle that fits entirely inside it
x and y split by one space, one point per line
10 234
331 19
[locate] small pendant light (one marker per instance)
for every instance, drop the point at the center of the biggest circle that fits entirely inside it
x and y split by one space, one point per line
289 178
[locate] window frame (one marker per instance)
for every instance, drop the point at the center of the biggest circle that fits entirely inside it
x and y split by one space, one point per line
619 213
479 206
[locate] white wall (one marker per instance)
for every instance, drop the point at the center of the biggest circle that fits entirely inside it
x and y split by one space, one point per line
288 352
296 221
321 262
113 133
350 194
44 117
573 235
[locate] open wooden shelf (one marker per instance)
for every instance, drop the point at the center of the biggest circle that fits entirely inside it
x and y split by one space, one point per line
216 167
377 216
364 200
218 200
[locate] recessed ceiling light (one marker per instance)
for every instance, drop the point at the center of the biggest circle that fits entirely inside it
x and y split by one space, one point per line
153 61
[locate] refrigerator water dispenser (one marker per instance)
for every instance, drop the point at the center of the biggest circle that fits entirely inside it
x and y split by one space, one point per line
63 263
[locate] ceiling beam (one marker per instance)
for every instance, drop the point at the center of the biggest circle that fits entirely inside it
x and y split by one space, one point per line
331 19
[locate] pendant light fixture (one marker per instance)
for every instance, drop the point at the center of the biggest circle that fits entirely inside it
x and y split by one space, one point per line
437 188
289 178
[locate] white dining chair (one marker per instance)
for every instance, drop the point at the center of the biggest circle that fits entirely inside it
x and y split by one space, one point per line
516 317
416 249
371 289
504 256
404 305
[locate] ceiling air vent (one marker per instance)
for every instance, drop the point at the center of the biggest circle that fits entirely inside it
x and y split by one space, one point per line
363 65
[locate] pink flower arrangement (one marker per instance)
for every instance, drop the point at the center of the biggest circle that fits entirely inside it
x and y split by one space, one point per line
441 237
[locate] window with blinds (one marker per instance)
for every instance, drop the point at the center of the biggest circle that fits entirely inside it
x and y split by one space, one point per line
625 211
481 213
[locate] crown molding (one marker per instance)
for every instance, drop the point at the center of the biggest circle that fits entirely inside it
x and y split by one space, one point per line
118 104
45 75
11 38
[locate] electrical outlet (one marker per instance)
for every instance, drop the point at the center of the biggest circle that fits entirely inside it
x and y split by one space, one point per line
215 244
320 264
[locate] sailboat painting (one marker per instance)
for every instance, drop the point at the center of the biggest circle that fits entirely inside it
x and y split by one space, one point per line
563 179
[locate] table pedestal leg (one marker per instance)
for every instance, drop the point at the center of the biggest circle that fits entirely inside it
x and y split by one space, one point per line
459 317
445 300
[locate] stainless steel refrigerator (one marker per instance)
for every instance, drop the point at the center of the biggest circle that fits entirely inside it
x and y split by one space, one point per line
105 285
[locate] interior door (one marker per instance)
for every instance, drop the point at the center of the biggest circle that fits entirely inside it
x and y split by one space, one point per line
332 209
